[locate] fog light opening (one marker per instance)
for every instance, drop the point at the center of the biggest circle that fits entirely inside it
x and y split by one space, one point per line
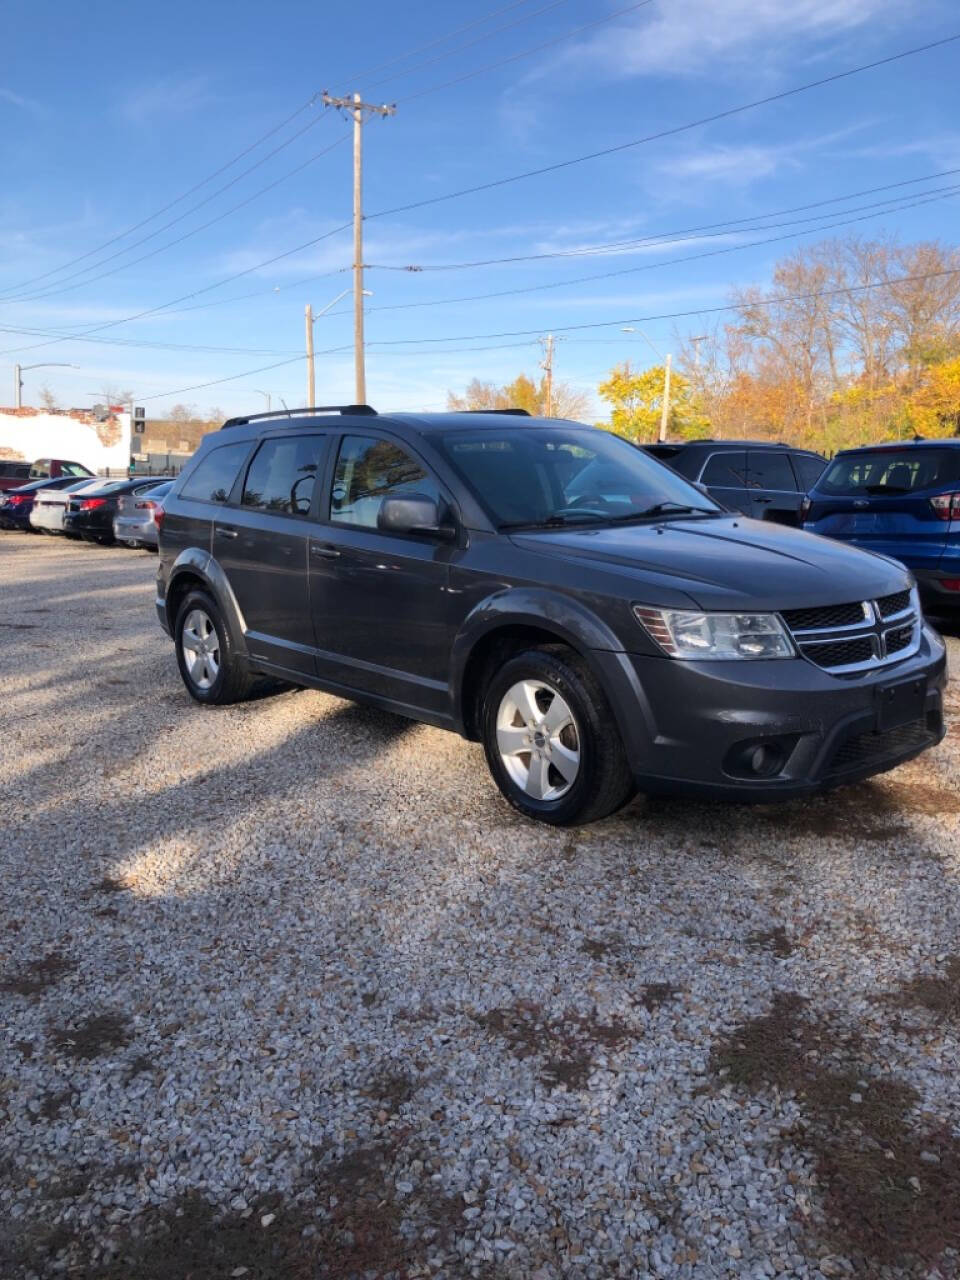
756 759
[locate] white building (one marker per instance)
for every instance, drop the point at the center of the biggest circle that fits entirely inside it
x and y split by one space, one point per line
99 438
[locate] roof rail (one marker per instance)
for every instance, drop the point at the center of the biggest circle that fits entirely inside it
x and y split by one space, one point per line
519 413
360 409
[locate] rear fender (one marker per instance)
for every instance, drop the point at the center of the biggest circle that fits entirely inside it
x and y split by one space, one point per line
195 563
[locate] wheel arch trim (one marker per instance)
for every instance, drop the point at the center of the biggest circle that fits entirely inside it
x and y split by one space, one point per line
198 565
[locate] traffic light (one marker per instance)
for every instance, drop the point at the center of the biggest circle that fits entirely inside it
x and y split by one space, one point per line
139 420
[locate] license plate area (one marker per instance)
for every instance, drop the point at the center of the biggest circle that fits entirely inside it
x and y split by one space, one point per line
900 704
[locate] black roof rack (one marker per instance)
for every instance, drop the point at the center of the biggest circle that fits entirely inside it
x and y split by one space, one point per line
519 413
363 410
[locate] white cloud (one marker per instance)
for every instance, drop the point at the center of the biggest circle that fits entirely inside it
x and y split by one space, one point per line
708 35
17 100
170 96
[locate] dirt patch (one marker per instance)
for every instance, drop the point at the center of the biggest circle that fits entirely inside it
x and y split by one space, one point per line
776 940
891 1191
938 993
567 1044
38 976
97 1035
391 1088
654 994
867 811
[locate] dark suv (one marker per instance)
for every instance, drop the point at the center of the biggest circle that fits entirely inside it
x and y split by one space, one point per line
548 588
765 481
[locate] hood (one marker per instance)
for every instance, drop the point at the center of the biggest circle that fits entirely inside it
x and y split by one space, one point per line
729 563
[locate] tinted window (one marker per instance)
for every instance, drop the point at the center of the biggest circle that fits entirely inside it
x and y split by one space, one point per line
213 479
282 474
891 471
726 470
771 471
369 470
16 469
808 468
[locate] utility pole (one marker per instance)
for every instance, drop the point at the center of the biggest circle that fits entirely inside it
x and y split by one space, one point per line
358 110
547 365
311 383
665 411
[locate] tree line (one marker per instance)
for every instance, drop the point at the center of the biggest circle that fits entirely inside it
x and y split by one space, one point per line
816 358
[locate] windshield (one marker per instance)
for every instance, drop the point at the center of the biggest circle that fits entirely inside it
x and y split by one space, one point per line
535 476
889 471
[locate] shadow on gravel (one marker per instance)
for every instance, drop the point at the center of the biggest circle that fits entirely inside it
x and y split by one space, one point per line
346 1219
890 1189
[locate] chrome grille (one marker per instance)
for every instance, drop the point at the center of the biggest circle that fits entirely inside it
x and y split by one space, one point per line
847 638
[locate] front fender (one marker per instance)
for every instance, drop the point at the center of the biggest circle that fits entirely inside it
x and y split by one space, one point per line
572 623
194 562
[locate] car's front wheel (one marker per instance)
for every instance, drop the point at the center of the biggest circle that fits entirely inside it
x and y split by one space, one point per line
551 739
209 665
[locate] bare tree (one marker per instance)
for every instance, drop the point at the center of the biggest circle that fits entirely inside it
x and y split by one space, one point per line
48 399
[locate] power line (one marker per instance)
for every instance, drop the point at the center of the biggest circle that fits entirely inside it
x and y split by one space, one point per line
144 342
525 53
666 133
574 328
548 169
67 288
183 196
947 193
613 246
440 57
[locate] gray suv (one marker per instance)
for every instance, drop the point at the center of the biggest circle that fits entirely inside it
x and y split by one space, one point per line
591 616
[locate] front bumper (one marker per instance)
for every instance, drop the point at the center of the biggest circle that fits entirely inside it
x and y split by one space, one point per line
692 727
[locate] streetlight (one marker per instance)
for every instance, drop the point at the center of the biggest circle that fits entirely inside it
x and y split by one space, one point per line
266 396
665 407
310 318
20 369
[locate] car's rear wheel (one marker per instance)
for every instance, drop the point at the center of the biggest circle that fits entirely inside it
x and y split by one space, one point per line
551 740
209 665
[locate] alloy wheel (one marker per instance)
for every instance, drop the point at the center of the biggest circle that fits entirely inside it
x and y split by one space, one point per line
538 740
201 648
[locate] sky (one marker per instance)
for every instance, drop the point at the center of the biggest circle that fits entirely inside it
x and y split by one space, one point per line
173 159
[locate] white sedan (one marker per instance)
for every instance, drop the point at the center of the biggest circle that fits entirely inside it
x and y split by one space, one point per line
50 505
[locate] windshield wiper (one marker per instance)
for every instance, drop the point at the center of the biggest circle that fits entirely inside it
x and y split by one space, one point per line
553 522
664 508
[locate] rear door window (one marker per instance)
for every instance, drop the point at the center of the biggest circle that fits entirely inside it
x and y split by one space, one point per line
770 470
891 471
215 475
282 475
727 470
808 468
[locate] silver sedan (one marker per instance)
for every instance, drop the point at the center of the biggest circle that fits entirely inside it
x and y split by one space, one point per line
135 523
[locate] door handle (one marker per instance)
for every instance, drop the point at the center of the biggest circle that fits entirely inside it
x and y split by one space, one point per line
224 532
324 552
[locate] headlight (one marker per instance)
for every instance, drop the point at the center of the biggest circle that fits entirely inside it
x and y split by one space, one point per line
686 633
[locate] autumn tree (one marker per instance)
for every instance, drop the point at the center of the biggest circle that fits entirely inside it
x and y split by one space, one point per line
522 393
636 404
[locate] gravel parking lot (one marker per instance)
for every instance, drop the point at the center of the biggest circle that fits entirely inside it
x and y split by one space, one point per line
287 990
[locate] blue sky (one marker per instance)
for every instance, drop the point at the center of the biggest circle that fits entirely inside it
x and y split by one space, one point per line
110 111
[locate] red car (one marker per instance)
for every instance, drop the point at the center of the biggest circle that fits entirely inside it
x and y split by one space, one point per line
14 474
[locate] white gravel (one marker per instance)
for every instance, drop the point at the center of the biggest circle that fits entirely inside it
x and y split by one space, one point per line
383 1026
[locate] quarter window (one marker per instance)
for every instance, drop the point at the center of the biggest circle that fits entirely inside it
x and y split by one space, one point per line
213 479
726 470
808 468
282 475
368 470
771 471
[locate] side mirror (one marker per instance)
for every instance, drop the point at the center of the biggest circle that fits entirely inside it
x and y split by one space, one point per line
698 484
413 514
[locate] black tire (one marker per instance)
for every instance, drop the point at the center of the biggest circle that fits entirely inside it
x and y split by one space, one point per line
604 782
234 682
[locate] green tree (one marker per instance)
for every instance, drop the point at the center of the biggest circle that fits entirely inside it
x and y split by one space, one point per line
636 404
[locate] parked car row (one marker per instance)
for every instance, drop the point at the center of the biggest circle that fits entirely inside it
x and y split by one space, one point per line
95 509
15 474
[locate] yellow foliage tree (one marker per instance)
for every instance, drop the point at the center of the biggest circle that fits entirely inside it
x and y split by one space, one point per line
636 404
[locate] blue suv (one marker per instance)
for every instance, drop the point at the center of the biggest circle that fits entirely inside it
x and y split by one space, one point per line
900 500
